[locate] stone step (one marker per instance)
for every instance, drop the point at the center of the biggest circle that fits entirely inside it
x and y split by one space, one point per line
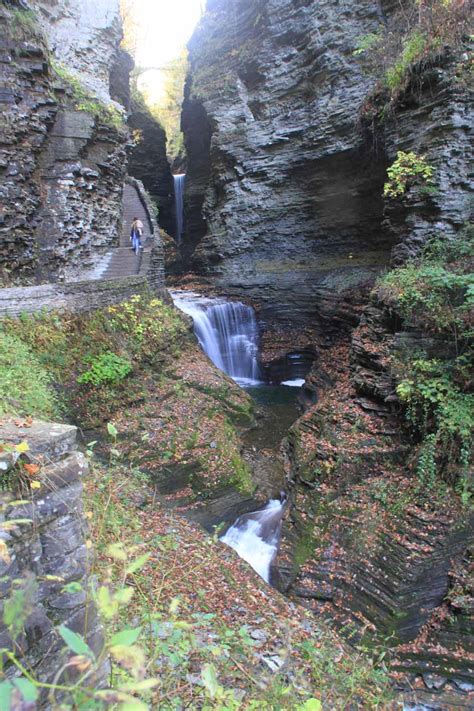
122 261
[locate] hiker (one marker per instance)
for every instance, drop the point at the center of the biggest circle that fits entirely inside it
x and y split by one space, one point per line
136 233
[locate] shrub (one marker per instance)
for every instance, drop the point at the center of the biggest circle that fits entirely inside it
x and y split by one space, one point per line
367 42
407 170
25 386
440 412
436 293
149 324
436 290
108 367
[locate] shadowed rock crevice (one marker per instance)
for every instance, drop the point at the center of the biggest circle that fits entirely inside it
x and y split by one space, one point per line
197 129
148 162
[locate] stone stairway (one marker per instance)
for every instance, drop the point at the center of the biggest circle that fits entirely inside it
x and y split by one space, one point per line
122 261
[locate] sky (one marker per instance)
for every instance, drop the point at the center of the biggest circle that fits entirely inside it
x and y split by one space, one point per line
164 26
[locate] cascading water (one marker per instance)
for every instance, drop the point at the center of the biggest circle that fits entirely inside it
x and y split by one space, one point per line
178 204
255 536
227 332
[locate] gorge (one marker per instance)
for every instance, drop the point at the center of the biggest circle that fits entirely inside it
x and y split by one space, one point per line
285 367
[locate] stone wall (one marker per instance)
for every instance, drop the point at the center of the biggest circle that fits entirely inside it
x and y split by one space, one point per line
62 156
48 550
74 297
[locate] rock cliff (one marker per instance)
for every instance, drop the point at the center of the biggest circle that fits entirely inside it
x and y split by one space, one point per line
291 197
284 190
63 140
45 562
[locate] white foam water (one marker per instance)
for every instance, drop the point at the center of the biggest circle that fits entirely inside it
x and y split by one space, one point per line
179 204
227 332
296 383
255 537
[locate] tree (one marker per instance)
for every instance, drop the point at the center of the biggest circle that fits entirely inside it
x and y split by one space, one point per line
168 109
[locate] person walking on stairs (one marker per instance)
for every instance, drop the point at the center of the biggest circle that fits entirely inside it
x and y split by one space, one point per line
136 233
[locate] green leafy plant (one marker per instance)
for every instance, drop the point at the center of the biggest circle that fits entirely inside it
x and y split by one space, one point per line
108 114
367 42
441 413
437 289
407 170
150 325
106 368
130 680
25 385
436 293
414 48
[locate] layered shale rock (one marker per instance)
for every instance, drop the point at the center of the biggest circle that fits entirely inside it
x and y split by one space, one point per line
44 537
432 118
62 144
284 190
291 201
365 543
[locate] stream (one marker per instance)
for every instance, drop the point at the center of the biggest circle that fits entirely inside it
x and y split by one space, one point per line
228 333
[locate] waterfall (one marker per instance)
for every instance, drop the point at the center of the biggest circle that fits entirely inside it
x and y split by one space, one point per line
227 332
179 203
255 536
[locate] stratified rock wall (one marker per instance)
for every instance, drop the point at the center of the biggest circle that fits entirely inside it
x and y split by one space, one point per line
63 155
284 192
47 551
365 542
434 119
83 36
291 196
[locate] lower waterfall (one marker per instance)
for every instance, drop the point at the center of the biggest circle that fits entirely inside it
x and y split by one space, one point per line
255 536
227 332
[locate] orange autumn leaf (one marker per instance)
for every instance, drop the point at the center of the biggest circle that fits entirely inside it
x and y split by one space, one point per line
31 469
